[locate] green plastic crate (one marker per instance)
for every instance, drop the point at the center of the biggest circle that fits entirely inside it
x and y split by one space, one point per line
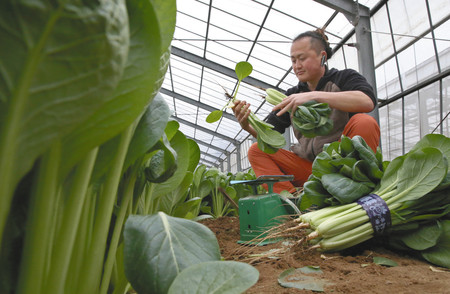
257 214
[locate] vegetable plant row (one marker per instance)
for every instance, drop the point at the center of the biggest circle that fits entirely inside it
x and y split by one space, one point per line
90 165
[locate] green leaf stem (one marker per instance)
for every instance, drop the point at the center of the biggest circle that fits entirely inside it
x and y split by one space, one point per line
58 68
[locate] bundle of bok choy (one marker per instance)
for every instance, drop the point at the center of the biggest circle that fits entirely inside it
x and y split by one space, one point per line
269 140
413 191
311 118
343 172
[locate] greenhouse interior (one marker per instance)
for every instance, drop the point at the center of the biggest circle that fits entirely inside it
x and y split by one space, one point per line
224 146
401 47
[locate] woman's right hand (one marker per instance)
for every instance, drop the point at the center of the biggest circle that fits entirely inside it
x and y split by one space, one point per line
241 110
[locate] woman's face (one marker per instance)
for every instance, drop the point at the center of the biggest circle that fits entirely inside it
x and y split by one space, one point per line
306 62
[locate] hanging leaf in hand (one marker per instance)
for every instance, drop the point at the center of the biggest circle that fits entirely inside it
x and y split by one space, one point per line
269 140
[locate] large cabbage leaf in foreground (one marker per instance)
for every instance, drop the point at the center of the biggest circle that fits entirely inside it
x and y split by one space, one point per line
75 79
59 64
165 254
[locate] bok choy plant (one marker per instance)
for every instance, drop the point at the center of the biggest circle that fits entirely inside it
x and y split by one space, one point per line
343 172
206 192
429 239
56 72
268 139
200 187
71 97
184 257
219 205
405 183
413 193
311 118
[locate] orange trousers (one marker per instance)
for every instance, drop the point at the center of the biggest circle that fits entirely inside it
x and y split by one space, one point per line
285 162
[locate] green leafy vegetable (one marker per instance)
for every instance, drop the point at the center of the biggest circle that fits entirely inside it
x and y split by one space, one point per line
311 118
343 188
71 97
163 163
179 143
39 62
243 69
174 245
342 173
423 237
149 130
414 188
215 277
440 253
214 116
384 261
268 139
135 90
305 278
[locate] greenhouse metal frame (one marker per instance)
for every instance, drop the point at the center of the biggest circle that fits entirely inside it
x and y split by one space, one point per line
401 47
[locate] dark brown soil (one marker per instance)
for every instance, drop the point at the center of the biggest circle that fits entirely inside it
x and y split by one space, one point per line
347 272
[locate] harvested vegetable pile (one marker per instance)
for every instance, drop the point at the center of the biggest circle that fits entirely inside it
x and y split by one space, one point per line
409 208
342 173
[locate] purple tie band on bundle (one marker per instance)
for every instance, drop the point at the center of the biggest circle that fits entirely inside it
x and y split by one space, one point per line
378 212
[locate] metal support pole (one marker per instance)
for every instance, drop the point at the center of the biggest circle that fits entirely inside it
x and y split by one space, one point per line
238 159
365 56
359 16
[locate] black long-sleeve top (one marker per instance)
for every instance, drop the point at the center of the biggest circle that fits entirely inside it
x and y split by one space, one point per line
333 81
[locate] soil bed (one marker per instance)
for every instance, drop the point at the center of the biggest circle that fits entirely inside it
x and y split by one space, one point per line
352 271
